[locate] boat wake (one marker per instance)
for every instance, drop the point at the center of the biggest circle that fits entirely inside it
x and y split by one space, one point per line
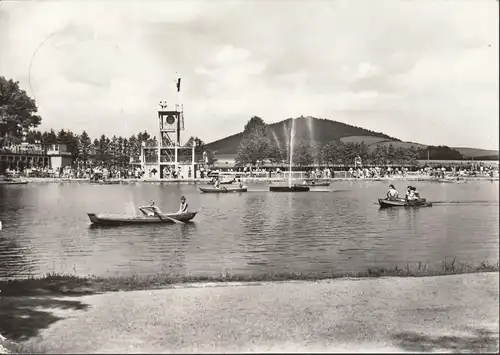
469 202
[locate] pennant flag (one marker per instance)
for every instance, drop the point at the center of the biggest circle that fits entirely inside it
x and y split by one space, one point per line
178 82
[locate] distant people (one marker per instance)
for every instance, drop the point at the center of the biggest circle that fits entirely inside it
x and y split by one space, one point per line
392 194
183 208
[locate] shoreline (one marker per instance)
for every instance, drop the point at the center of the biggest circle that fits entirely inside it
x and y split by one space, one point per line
397 314
67 284
69 291
260 180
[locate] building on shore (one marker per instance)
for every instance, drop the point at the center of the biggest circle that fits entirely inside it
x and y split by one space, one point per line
169 159
24 155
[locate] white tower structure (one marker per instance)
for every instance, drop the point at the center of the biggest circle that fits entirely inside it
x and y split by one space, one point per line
169 158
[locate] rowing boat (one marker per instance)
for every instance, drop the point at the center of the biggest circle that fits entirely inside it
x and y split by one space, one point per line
403 203
313 183
293 188
120 219
222 189
13 182
105 182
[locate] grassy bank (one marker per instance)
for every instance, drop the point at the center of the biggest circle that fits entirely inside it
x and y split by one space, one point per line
57 284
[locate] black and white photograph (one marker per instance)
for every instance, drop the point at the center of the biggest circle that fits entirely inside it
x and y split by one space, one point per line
249 176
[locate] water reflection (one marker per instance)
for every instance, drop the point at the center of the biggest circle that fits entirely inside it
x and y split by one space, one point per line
46 229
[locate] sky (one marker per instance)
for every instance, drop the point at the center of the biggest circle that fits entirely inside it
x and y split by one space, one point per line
422 71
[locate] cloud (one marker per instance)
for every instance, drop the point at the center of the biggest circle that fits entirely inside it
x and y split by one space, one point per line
409 69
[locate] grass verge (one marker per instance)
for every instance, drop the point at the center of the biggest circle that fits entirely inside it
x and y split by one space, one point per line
57 284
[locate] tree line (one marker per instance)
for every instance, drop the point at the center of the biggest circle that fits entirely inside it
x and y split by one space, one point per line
257 147
113 150
18 115
18 120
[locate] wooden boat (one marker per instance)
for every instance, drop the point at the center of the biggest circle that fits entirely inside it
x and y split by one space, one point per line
315 183
403 203
293 188
105 182
222 190
225 182
6 182
121 219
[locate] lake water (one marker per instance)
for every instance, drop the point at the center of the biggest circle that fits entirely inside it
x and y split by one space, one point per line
338 228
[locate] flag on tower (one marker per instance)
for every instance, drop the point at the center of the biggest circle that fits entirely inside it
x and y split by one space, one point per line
178 82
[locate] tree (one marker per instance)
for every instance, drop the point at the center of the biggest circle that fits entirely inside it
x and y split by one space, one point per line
330 153
103 148
191 140
114 148
70 140
134 147
211 159
84 146
378 155
275 153
302 154
254 123
34 136
347 153
17 110
49 137
390 154
255 146
120 147
441 152
126 150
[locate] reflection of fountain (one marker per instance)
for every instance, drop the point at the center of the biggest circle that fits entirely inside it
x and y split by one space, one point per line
290 188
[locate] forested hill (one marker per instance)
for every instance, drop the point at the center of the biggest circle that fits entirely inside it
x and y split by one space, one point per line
316 130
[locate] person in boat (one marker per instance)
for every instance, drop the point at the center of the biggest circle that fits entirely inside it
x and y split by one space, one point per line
217 183
183 208
392 194
150 210
408 193
415 193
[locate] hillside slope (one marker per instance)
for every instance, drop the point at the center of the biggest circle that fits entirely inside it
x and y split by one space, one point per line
477 153
312 129
322 131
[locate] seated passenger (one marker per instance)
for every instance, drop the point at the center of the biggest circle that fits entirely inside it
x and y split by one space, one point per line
392 194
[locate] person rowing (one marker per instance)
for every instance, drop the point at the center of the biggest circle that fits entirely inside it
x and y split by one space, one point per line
217 183
183 208
150 210
392 194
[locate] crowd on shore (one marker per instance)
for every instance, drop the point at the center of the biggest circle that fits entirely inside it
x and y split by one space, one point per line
136 172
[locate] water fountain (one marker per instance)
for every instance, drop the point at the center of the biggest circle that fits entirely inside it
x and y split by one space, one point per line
290 187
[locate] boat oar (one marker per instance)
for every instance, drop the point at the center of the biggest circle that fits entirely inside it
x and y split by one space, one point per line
163 218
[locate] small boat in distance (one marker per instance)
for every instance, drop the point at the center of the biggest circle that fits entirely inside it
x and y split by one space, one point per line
13 182
222 190
105 182
313 183
121 219
293 188
384 203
